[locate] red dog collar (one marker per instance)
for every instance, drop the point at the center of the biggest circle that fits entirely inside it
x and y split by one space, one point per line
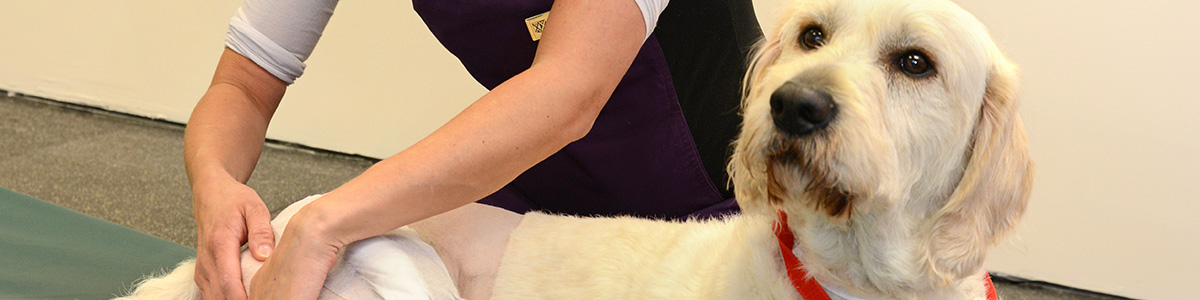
808 287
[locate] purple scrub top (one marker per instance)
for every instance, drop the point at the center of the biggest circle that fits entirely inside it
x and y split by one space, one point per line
639 158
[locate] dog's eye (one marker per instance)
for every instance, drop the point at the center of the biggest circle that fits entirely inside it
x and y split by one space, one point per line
812 37
915 64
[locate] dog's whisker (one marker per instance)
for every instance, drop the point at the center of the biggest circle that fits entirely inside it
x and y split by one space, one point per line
820 190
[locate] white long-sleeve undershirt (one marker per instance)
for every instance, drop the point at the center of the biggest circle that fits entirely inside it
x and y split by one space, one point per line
279 35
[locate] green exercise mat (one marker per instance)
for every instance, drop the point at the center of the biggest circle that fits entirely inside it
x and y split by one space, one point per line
50 252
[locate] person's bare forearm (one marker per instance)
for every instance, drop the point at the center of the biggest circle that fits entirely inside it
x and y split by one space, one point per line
580 60
225 134
223 140
517 125
224 137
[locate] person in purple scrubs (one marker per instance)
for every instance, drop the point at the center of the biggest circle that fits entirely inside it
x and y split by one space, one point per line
619 108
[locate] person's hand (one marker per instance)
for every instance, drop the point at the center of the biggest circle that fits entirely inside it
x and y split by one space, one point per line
228 214
302 259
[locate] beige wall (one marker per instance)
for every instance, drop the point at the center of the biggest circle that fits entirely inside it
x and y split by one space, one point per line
1111 100
377 83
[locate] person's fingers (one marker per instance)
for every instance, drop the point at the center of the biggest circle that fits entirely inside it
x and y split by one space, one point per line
260 235
206 268
229 269
203 265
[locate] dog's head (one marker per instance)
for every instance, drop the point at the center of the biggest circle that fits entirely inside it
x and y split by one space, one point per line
855 108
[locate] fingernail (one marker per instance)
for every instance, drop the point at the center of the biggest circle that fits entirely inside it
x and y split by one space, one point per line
264 250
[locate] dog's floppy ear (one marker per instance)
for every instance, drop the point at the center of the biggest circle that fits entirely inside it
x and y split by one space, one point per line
766 52
994 189
746 175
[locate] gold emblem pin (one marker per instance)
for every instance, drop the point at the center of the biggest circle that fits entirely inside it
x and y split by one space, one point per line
535 25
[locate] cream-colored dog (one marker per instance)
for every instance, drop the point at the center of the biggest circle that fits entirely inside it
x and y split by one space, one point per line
886 130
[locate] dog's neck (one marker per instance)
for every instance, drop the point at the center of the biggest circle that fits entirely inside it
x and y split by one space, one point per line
875 254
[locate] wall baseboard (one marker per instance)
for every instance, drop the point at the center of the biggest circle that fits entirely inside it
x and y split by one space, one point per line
273 143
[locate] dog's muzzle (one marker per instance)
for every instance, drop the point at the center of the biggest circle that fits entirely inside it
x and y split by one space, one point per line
801 109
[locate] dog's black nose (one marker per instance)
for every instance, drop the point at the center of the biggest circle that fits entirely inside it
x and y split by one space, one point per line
801 109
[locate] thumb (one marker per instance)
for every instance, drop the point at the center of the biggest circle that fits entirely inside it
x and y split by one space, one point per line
259 234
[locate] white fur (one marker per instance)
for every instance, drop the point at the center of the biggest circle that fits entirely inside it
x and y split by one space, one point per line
178 284
936 169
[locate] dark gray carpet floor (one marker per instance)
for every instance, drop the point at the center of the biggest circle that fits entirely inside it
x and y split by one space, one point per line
129 170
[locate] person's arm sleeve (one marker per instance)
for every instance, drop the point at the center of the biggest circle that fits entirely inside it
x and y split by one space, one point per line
279 35
651 9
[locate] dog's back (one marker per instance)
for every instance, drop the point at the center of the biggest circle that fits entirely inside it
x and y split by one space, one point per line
562 257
